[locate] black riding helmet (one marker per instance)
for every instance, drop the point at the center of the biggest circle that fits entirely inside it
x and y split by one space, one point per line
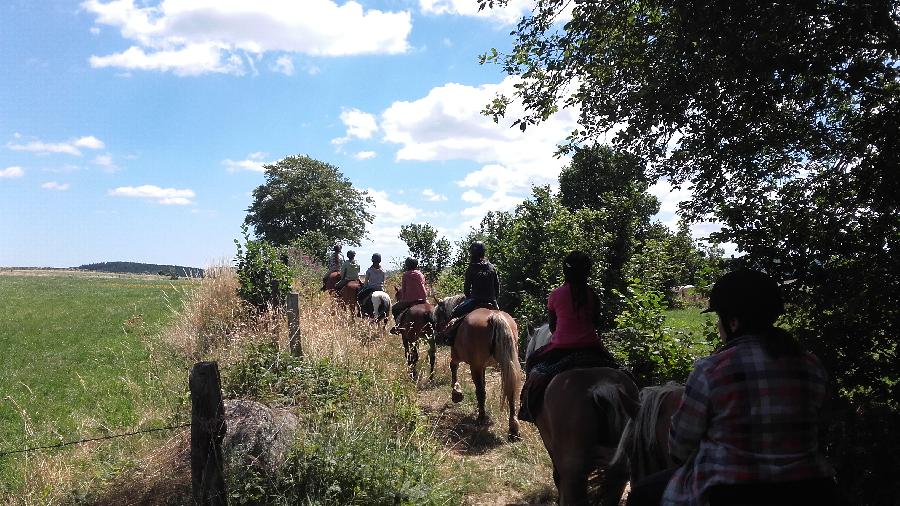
351 254
376 258
477 250
750 296
410 264
337 247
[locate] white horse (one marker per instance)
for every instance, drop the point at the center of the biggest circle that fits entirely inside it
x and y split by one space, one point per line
540 337
381 305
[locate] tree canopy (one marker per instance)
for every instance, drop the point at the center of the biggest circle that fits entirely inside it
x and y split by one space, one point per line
308 202
423 243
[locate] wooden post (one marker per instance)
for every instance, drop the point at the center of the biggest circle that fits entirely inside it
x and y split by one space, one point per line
207 432
293 314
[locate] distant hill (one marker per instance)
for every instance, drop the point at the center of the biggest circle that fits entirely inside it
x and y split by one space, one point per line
141 268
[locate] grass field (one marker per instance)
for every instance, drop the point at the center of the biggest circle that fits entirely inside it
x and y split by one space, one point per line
74 363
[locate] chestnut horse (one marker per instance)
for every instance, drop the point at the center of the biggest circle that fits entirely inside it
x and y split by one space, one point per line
582 418
644 447
486 337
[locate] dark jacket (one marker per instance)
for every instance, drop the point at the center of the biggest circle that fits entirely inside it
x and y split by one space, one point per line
482 282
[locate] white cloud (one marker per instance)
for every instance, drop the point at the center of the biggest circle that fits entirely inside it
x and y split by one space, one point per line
166 196
359 124
365 155
11 172
191 37
89 142
53 185
95 31
284 65
68 147
432 196
254 162
472 196
508 14
105 161
387 211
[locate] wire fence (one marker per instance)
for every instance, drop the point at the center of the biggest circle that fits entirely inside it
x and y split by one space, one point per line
89 440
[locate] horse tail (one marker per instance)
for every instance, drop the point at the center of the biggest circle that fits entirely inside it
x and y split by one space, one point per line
647 454
505 347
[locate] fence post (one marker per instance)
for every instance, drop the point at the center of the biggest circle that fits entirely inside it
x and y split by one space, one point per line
207 432
293 314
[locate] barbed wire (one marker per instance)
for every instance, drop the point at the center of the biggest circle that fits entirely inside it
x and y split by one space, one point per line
89 440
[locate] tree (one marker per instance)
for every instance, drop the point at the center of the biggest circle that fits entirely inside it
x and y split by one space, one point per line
784 120
422 241
309 203
603 179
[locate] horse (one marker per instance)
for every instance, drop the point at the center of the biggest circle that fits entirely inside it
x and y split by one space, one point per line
484 338
644 447
416 323
331 280
377 307
347 294
583 416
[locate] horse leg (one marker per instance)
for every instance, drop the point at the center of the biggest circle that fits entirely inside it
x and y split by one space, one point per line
408 350
480 392
457 394
432 352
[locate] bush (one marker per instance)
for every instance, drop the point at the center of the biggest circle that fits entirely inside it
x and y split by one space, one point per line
361 441
653 352
265 279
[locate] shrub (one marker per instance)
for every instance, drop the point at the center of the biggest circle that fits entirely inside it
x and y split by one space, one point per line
653 352
265 279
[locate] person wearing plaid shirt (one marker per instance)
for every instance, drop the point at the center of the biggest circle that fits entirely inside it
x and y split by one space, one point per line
747 427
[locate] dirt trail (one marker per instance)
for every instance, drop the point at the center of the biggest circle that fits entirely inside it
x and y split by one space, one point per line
494 471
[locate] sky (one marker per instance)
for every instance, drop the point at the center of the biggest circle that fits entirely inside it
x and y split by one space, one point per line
136 130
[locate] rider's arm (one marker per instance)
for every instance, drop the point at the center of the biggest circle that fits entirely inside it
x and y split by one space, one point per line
467 285
551 319
689 423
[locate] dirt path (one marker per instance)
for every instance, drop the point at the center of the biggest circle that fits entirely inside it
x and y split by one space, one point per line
493 471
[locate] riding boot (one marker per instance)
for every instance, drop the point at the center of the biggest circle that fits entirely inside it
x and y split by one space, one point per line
450 331
396 329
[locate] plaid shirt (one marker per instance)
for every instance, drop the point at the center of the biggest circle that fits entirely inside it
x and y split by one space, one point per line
746 417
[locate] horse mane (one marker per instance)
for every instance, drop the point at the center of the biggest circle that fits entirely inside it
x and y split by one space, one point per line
540 337
448 304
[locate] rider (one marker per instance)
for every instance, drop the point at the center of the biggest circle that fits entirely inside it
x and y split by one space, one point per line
335 260
481 288
374 279
349 270
412 291
574 316
747 427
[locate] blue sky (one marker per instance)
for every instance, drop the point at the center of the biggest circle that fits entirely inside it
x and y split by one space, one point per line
136 130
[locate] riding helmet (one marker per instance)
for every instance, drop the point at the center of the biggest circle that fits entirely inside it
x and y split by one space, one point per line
411 263
351 254
337 247
747 294
477 249
376 258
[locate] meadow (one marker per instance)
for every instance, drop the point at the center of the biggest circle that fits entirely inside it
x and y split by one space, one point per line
92 355
77 359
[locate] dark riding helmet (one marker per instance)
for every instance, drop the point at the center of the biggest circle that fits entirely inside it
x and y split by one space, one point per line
337 246
410 263
376 258
748 295
477 250
351 254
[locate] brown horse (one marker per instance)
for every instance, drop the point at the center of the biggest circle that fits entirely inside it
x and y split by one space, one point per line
582 418
644 447
417 323
331 280
347 295
486 337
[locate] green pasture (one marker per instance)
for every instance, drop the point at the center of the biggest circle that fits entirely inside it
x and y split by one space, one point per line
75 360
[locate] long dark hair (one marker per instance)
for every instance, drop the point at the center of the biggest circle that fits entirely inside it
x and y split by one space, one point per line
576 270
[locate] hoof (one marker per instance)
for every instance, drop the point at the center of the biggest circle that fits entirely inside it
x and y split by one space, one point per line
456 396
514 437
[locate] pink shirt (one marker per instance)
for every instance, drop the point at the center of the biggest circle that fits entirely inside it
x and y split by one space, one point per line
412 286
573 330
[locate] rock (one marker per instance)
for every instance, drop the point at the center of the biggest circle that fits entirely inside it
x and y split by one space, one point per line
258 436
